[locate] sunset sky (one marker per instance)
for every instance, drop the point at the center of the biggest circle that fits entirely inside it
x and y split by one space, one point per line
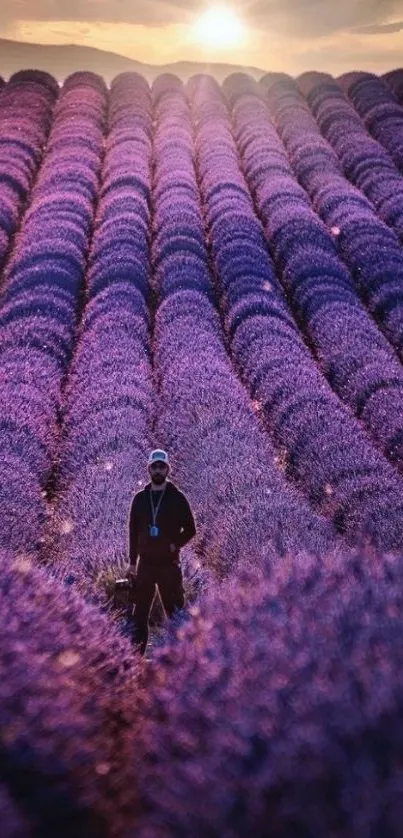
291 35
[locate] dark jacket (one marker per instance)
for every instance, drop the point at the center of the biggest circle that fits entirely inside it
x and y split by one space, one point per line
174 520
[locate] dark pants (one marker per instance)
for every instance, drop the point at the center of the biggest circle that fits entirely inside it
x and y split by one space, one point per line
169 579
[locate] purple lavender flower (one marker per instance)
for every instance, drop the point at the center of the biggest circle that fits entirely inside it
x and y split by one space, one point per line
394 80
26 104
276 709
14 824
357 360
378 108
108 398
324 449
203 415
364 160
39 304
66 711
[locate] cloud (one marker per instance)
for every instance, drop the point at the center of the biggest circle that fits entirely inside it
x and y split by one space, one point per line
316 18
340 54
151 13
383 29
297 18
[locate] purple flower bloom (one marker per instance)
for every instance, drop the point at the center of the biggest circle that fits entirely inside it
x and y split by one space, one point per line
26 104
14 824
189 273
276 709
108 398
357 360
394 80
326 452
66 711
221 455
364 160
40 299
377 106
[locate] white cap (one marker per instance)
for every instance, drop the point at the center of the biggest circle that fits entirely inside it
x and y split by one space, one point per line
158 456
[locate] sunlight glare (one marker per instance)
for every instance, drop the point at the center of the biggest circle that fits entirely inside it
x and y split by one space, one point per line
219 26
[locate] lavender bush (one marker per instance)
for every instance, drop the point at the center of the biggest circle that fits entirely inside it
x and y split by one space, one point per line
173 284
372 251
276 709
378 108
107 405
324 449
394 80
357 360
26 106
14 822
66 710
364 161
221 455
39 304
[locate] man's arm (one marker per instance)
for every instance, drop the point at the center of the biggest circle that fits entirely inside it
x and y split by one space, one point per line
133 533
188 528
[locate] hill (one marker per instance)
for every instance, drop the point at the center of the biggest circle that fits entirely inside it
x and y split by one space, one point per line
62 60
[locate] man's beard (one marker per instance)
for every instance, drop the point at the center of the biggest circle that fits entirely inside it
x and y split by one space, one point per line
158 479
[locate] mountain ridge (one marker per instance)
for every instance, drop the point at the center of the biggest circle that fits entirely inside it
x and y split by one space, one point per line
61 60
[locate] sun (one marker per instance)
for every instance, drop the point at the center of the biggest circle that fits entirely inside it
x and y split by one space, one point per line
219 26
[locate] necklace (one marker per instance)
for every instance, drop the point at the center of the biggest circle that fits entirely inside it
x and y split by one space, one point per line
154 510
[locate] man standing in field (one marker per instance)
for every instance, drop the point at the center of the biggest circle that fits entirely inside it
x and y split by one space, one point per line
160 523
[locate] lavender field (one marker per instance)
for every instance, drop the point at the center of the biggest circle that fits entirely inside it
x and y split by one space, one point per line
216 270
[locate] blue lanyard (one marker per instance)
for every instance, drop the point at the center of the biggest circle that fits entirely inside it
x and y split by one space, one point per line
155 510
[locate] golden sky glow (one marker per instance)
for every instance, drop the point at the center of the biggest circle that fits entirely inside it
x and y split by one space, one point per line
219 27
175 42
232 40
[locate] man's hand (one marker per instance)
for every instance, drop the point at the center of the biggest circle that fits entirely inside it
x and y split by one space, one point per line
132 571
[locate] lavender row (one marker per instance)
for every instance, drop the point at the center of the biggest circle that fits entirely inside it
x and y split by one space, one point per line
15 823
364 161
372 251
108 400
356 359
377 106
394 80
103 462
244 509
26 105
39 304
67 712
325 451
277 710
